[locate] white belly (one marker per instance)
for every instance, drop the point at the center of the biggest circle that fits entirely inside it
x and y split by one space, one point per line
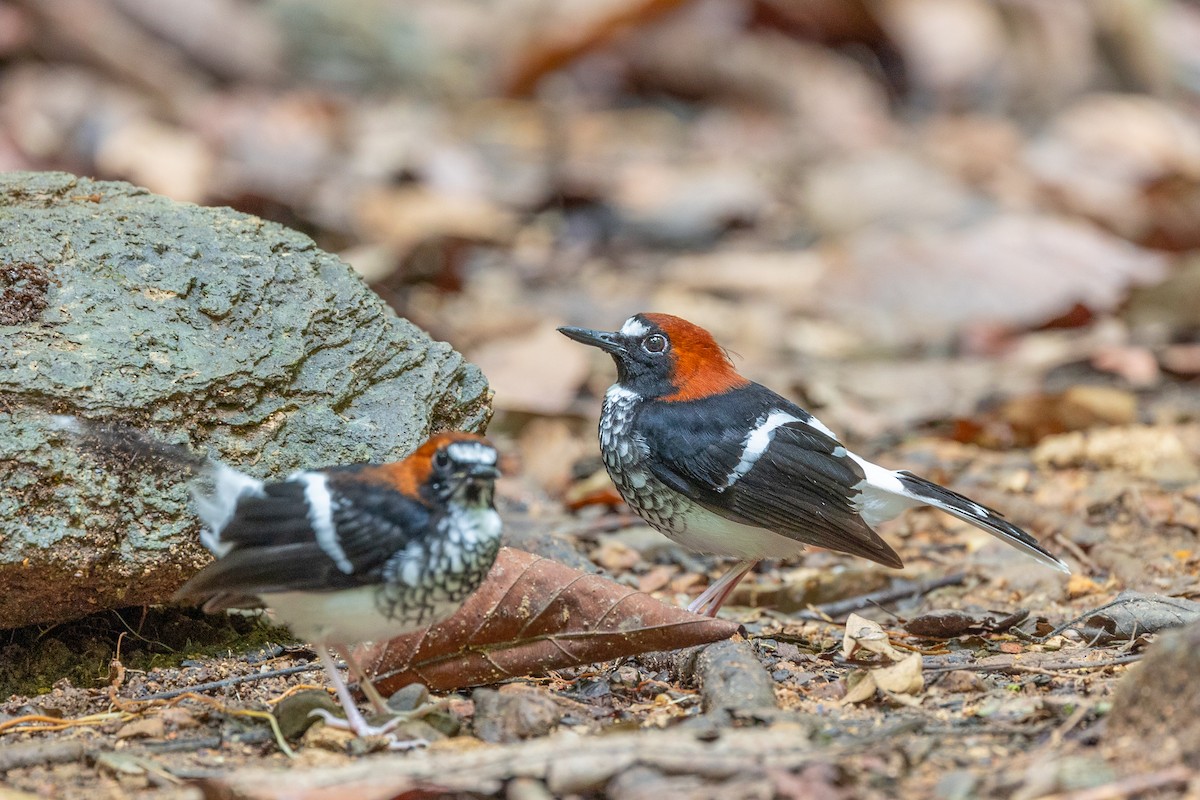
702 530
340 618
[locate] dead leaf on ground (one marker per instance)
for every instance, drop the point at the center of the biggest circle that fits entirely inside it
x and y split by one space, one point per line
865 634
914 286
1027 419
534 615
1134 614
1157 453
903 676
539 371
948 623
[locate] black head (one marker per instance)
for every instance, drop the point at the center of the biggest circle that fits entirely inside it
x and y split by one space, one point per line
449 466
664 357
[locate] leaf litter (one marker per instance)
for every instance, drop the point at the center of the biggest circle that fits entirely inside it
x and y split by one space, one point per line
942 284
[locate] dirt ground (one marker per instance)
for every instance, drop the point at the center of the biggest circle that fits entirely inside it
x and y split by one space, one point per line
961 233
1005 698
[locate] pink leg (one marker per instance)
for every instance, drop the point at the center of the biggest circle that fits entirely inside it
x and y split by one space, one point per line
354 720
364 683
712 598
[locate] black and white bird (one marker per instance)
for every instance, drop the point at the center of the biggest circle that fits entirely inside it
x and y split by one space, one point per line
726 466
341 555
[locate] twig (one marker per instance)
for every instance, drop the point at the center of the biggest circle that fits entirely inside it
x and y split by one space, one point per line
1045 669
892 594
234 681
1069 544
1120 601
1130 786
36 753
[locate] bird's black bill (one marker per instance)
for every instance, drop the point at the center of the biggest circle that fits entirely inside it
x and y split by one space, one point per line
482 471
608 342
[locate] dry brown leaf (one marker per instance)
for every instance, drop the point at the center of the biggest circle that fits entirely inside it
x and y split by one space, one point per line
538 371
1011 270
903 677
1028 419
1147 451
404 216
534 615
865 634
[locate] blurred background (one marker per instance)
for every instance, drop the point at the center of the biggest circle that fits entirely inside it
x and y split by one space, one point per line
976 220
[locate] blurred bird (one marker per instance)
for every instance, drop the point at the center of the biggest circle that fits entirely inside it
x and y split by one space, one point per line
726 466
341 555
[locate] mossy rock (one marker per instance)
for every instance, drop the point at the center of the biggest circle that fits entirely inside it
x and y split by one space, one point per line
207 327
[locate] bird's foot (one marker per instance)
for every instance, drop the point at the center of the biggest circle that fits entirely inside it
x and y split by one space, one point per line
363 730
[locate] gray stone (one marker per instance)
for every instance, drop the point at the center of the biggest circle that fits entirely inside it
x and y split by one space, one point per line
1155 718
207 327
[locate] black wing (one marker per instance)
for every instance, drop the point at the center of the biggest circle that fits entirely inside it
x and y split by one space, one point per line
801 487
275 547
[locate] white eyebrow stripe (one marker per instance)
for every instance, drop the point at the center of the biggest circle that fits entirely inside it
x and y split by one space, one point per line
757 442
634 327
472 452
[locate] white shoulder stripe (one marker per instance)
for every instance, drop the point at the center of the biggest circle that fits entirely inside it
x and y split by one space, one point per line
320 516
813 422
757 442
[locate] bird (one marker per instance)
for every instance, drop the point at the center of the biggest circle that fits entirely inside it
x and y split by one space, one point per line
341 555
726 466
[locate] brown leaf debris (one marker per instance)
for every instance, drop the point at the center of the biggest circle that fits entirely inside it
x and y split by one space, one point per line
534 615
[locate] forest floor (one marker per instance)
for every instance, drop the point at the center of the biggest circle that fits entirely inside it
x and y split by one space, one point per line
963 234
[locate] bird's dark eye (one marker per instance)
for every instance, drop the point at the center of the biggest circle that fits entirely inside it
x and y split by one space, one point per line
441 459
654 343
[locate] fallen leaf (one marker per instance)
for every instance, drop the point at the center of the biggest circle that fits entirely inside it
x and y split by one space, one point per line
903 677
949 623
1080 585
1025 420
1152 452
1137 365
144 728
539 371
534 615
860 687
1182 359
895 680
1134 614
1012 270
865 634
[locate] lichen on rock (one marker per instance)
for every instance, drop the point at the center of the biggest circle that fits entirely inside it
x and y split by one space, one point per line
208 327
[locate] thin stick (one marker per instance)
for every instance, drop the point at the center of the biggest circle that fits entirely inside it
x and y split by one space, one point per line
892 594
234 681
1046 669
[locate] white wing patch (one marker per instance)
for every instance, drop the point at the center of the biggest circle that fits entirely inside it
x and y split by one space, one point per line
757 442
813 422
881 496
320 516
216 508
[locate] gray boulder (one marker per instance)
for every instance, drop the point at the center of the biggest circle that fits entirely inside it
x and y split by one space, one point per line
206 326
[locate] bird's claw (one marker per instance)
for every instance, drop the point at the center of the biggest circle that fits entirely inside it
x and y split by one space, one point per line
365 731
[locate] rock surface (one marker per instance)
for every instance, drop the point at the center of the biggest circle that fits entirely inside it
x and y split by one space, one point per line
1156 711
206 326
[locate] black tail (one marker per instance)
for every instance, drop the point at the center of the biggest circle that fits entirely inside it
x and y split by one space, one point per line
978 515
131 446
